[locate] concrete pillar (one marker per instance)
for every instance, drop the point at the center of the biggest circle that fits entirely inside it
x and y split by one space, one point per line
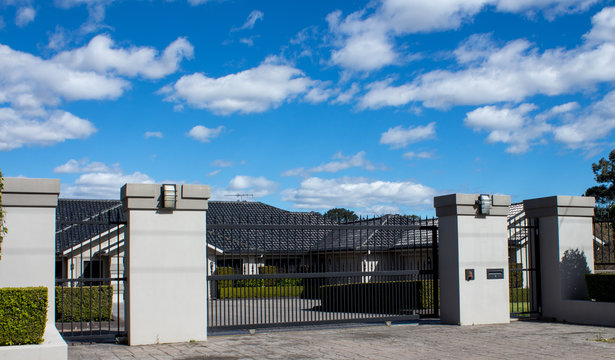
166 265
566 246
471 246
28 255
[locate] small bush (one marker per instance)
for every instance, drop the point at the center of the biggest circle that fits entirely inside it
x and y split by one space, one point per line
601 287
87 303
23 314
224 270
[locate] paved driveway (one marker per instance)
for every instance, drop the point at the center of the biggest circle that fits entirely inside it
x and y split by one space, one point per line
518 340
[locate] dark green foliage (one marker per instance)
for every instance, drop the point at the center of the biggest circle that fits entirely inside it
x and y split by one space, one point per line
604 171
341 215
87 303
515 278
388 297
23 314
601 287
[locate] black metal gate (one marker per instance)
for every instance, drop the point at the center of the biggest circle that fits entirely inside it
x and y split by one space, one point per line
524 266
301 268
90 276
604 244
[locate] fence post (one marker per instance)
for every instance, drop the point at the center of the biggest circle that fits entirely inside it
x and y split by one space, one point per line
28 255
166 263
566 247
473 260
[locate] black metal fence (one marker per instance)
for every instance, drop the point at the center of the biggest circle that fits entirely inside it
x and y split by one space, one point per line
523 262
89 272
302 268
604 244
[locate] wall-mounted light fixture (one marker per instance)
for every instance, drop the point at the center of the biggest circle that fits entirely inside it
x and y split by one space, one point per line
484 204
169 196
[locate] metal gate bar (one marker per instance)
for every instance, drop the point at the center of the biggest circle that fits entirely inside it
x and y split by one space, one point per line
524 267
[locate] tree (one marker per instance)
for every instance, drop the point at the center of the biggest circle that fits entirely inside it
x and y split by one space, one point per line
341 215
604 170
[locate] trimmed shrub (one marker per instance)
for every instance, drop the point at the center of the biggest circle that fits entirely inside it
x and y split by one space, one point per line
515 278
601 287
259 292
224 270
249 283
388 297
23 314
268 270
87 303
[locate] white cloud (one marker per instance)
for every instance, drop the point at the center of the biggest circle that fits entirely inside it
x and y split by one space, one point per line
221 163
365 40
508 125
214 173
152 134
197 2
317 95
584 129
79 166
103 56
204 134
18 129
399 137
340 163
411 155
253 17
97 180
250 91
24 16
345 96
318 193
257 186
510 73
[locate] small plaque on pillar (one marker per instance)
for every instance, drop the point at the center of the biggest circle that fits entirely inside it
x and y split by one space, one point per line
495 274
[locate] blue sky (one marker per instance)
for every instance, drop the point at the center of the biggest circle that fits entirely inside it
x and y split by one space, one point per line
376 106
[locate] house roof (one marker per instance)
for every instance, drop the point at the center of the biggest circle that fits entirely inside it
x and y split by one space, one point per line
80 220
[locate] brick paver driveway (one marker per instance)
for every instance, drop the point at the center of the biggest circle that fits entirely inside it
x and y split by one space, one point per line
518 340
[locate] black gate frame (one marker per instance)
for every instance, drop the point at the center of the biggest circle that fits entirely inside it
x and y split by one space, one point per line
321 278
525 301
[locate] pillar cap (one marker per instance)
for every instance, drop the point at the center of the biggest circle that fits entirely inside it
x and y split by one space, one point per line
465 204
147 197
579 206
28 192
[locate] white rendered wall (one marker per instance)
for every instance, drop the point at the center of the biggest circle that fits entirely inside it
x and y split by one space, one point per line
28 255
471 241
167 277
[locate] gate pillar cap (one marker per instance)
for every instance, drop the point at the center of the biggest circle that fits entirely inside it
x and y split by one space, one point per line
465 204
580 206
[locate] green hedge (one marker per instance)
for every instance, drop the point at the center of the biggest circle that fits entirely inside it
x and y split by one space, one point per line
387 297
87 303
224 270
23 314
259 292
268 270
601 287
515 278
517 295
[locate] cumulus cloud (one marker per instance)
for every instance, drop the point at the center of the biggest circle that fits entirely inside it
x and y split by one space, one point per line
18 129
250 91
340 163
152 134
24 16
513 72
103 56
97 180
399 137
204 134
319 193
512 126
365 39
256 186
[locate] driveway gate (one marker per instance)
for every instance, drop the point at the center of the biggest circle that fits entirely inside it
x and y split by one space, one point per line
90 277
524 266
302 268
